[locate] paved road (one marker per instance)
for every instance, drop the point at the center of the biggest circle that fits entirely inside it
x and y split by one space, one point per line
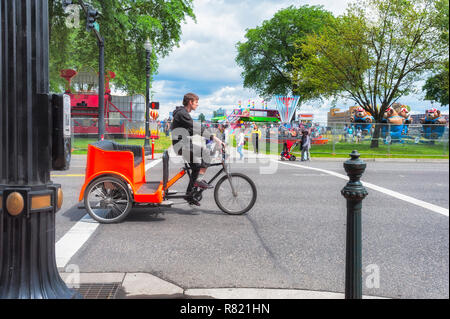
294 237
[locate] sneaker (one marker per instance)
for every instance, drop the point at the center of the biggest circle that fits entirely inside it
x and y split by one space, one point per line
203 184
193 202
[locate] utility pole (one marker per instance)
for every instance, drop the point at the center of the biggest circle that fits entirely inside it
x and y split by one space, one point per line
148 51
91 25
29 200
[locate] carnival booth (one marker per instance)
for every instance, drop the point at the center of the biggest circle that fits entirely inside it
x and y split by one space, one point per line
124 115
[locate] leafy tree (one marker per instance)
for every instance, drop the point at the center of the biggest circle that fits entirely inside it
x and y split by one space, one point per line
268 50
125 25
373 54
202 117
437 86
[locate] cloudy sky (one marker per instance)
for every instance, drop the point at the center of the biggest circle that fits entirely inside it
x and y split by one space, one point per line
204 63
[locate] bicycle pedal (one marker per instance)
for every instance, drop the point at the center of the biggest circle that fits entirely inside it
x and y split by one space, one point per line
166 203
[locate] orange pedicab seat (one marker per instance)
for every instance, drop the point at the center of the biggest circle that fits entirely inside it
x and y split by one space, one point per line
126 162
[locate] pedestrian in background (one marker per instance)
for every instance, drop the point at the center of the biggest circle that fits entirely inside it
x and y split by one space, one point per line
221 133
256 135
240 142
358 134
306 145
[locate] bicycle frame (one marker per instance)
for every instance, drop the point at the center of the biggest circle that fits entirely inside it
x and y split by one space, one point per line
187 169
182 173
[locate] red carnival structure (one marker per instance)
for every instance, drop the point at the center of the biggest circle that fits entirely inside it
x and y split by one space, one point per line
123 114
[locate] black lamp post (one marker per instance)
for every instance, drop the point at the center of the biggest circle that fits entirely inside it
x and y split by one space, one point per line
29 200
354 192
148 50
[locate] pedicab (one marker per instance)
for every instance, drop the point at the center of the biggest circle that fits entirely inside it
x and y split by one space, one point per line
115 182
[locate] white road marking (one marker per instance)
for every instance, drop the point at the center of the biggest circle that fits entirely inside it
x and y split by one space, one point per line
151 164
79 234
409 199
73 240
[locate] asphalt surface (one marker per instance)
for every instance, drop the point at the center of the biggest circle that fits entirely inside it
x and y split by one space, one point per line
294 237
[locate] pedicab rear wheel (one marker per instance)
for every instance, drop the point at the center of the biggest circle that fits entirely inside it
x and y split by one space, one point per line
246 194
108 200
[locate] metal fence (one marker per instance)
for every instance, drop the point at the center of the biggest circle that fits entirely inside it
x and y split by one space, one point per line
335 139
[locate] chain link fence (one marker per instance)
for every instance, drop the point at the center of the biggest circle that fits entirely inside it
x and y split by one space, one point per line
415 140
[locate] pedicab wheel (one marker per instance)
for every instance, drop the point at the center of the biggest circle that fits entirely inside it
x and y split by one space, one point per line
107 200
293 158
246 194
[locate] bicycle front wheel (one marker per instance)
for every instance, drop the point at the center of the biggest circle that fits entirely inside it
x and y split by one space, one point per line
245 194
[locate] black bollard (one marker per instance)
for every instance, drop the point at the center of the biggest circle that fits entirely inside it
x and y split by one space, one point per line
28 198
354 192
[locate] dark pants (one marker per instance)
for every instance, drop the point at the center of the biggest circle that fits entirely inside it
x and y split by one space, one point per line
195 172
255 142
197 157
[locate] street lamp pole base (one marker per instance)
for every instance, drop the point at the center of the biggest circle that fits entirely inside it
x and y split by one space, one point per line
147 147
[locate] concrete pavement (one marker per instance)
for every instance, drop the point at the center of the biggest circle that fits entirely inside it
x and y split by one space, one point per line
143 285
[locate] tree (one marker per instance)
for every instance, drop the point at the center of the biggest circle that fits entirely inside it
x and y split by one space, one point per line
125 25
437 86
268 50
202 117
373 54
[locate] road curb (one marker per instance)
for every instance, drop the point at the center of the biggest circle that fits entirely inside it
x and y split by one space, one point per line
148 286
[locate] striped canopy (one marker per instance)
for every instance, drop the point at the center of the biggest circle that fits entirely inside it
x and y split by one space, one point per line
286 105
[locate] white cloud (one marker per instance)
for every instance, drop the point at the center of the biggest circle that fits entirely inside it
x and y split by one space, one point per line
204 62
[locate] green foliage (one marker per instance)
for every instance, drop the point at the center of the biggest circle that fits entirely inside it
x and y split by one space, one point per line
437 86
374 53
268 50
125 25
202 117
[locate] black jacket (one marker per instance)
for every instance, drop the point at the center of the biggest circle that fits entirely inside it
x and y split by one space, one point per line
182 119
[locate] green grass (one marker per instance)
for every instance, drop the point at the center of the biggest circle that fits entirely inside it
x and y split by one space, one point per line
439 150
395 150
80 145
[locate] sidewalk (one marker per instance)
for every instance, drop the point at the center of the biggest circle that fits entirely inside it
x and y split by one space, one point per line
147 286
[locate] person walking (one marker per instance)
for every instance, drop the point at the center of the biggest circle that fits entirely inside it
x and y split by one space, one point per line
221 133
358 134
240 142
167 128
256 134
306 145
350 133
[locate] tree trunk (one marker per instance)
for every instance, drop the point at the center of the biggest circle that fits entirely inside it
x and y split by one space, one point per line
376 135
